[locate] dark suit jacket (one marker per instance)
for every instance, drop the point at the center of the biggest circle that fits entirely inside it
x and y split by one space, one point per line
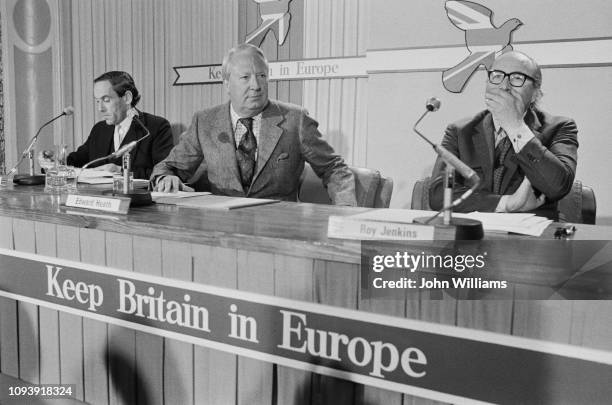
288 137
548 161
144 156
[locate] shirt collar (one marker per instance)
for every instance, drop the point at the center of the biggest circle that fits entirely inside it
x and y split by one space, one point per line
235 117
127 121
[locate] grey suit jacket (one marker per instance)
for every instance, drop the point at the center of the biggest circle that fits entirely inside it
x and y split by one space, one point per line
548 161
288 137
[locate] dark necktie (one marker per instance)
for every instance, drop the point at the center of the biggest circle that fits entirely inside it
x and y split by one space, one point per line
246 153
501 151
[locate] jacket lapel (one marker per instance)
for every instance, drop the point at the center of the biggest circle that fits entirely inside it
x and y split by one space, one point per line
269 134
105 142
484 146
222 135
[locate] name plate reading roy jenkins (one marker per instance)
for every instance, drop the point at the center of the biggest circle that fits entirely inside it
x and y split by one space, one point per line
118 205
363 229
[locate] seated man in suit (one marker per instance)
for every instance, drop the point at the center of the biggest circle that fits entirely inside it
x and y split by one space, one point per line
116 97
253 146
525 158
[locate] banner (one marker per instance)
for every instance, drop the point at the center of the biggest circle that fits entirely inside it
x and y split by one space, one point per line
440 362
333 68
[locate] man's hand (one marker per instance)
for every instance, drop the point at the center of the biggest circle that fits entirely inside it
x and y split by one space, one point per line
523 199
109 167
507 107
171 184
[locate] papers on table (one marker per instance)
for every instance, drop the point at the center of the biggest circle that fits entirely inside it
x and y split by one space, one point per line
207 200
172 198
521 223
93 176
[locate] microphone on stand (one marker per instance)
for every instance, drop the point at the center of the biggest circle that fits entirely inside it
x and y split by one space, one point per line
138 197
28 152
465 228
124 149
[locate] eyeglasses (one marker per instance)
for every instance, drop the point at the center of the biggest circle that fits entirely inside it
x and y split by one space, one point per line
516 79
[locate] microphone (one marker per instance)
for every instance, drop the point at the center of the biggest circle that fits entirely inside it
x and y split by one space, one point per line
432 105
35 179
464 228
128 147
125 148
137 197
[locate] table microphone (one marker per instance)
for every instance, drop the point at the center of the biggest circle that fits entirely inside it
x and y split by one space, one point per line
33 179
125 148
465 228
138 197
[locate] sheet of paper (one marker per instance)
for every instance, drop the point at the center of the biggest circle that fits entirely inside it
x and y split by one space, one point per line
96 180
172 198
93 173
522 223
220 202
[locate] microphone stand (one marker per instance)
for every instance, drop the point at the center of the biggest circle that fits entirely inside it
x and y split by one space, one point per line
33 179
465 228
138 197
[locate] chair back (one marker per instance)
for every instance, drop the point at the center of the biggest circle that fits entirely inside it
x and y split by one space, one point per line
579 206
420 195
371 189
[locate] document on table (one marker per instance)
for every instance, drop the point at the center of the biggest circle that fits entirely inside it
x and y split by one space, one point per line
173 198
93 176
522 223
208 200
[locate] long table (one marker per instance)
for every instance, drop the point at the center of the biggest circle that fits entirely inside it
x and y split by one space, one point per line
279 250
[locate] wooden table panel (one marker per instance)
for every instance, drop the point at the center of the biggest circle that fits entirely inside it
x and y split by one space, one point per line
294 279
9 349
178 384
71 326
121 349
29 335
255 377
95 333
214 371
46 244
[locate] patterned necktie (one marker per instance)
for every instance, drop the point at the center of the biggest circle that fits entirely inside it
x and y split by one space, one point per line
246 153
501 151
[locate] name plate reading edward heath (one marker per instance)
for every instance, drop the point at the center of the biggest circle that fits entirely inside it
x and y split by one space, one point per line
363 229
98 203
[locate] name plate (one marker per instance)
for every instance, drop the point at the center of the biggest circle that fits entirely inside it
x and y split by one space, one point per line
363 229
118 205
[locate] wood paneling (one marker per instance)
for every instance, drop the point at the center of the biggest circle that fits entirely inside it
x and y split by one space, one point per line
176 357
46 244
71 326
9 359
95 333
28 328
215 372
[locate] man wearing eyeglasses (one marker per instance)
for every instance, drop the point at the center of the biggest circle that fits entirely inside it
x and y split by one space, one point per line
525 158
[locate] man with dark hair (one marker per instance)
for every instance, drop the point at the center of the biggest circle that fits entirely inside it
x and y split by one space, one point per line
116 97
253 146
525 158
